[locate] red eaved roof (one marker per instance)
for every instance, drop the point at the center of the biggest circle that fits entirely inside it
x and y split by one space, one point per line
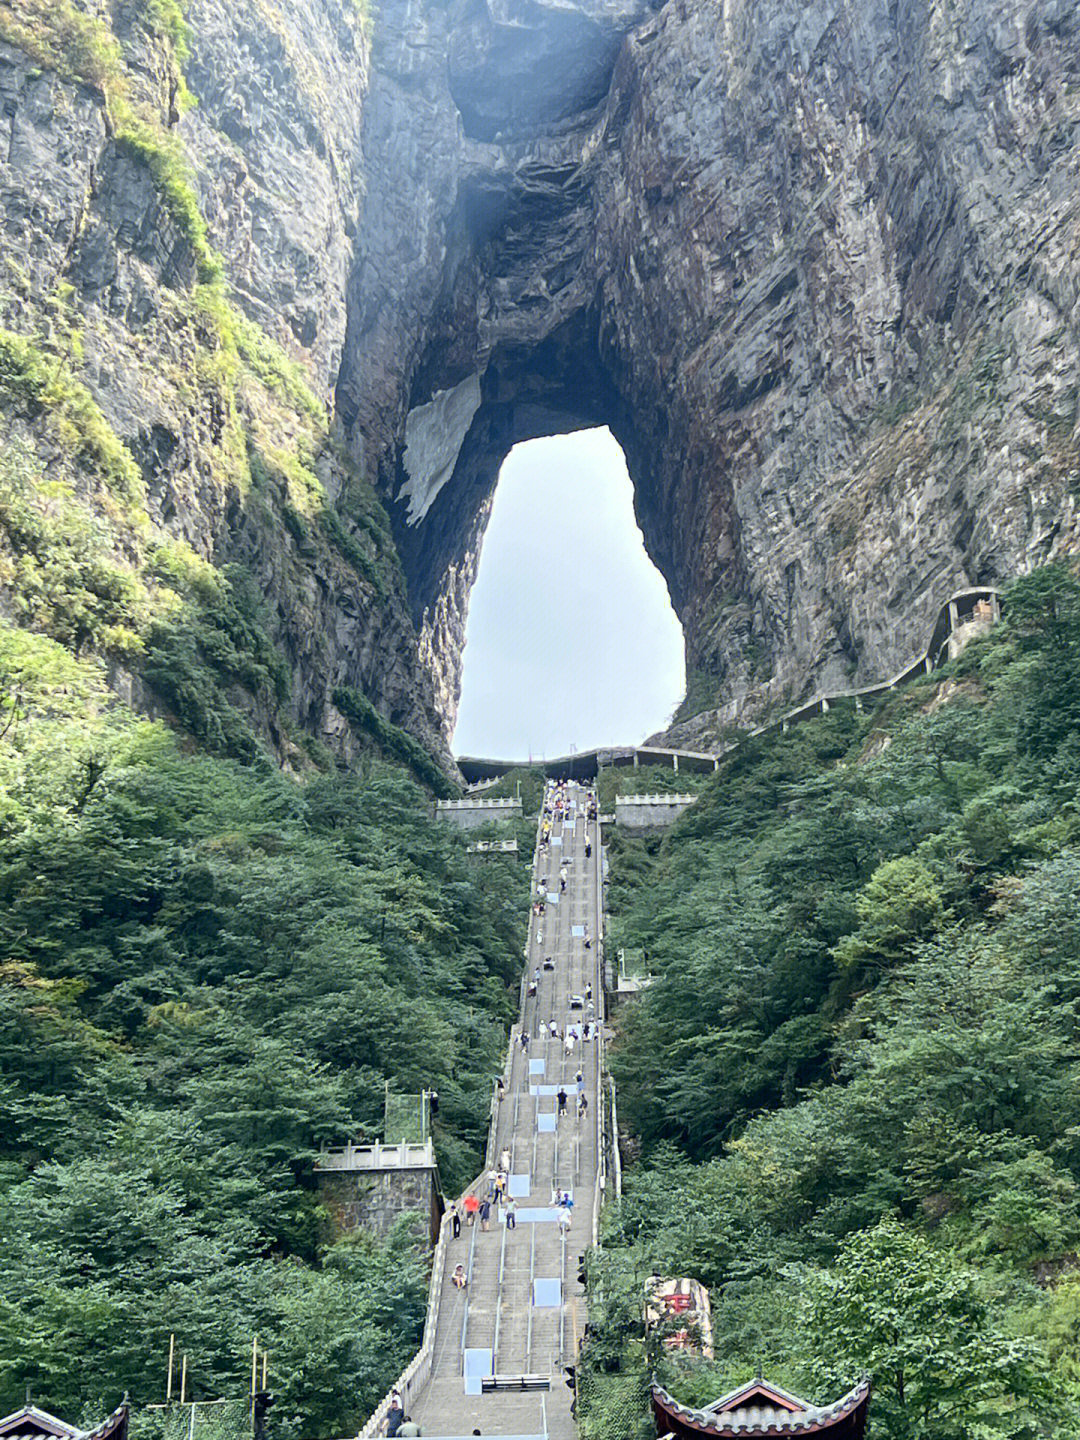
761 1393
762 1409
30 1423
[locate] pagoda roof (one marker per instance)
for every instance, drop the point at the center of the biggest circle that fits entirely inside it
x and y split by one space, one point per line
762 1409
30 1423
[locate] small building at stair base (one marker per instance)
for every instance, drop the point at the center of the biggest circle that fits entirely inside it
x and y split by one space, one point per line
30 1423
761 1409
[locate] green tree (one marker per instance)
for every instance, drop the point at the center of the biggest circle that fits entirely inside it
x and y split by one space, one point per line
900 905
902 1310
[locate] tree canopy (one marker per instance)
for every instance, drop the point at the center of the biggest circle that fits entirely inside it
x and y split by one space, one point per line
207 971
852 1081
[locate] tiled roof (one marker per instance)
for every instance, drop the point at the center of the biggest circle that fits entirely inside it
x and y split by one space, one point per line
114 1424
739 1399
765 1420
30 1423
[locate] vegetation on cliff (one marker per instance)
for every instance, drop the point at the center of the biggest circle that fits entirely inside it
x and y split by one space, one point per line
392 740
852 1082
207 971
228 433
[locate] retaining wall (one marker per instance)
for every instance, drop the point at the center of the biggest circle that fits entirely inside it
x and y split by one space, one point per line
373 1200
649 812
469 814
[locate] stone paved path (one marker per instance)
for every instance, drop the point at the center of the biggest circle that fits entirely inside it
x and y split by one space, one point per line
497 1311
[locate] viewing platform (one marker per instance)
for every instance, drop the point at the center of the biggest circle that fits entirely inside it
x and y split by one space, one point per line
404 1156
629 976
369 1186
650 812
470 813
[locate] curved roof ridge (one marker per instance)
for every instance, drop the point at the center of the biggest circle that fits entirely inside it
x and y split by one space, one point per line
769 1421
108 1426
49 1424
41 1423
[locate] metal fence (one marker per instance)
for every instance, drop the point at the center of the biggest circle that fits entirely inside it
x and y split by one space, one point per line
195 1420
613 1407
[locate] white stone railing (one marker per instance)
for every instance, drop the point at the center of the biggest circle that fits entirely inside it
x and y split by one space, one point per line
616 1158
631 799
405 1156
482 785
600 1184
418 1371
505 804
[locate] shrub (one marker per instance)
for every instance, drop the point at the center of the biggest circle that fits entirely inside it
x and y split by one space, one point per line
392 739
162 156
60 573
37 383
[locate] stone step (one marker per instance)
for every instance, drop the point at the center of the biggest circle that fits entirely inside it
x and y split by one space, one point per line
499 1312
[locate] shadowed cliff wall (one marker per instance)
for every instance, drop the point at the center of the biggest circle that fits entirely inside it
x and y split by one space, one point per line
813 264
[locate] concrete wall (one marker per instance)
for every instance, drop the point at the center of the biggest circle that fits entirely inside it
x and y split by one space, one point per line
373 1199
470 814
649 812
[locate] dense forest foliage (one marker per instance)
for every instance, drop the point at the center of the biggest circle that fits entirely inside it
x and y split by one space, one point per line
852 1085
208 970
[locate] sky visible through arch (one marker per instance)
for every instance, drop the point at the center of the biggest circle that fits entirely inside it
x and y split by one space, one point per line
571 639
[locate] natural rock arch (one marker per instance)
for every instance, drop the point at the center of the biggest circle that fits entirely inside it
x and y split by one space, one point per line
747 239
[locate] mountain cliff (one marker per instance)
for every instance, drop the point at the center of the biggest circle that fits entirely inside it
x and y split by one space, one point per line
177 218
814 265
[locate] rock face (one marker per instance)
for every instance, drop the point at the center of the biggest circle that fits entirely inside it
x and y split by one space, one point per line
814 262
221 391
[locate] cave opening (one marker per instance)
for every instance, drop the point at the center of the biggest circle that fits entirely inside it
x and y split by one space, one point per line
571 639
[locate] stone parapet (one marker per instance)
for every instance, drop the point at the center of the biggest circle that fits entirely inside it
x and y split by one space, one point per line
367 1187
469 814
650 812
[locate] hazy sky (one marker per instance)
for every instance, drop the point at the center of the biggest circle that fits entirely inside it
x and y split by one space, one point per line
571 639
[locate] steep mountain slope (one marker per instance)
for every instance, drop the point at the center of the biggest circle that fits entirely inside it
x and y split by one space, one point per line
849 1090
208 972
173 310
